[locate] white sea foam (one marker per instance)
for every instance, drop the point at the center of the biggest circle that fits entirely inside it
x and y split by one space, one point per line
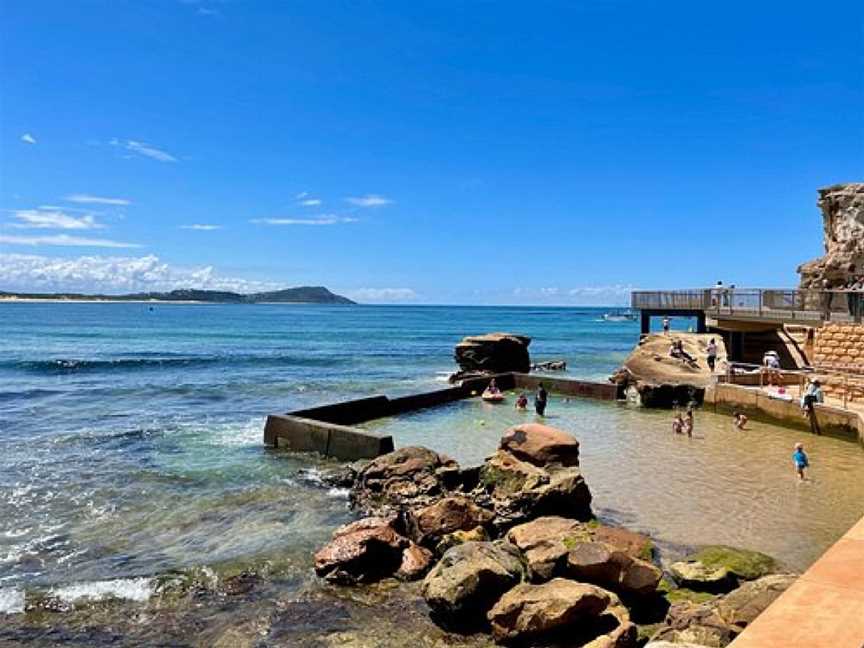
339 493
131 589
11 600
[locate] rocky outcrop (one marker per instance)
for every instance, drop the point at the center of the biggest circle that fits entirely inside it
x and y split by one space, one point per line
410 476
653 378
362 551
843 222
603 564
520 491
493 353
416 561
717 622
470 578
541 445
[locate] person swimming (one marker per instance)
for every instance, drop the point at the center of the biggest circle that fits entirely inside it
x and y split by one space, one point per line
522 402
740 420
801 461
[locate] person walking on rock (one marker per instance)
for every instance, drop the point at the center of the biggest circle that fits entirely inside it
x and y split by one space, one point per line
711 351
540 400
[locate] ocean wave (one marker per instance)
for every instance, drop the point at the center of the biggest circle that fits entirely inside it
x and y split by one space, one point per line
11 600
165 361
130 589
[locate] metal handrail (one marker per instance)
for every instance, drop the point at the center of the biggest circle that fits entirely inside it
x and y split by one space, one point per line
770 302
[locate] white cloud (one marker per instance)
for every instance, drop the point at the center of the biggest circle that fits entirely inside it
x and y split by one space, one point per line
301 195
64 240
201 227
24 272
323 220
53 219
27 138
381 294
369 200
311 202
140 148
87 199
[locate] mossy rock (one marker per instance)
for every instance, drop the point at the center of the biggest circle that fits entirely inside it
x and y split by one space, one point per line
742 563
675 594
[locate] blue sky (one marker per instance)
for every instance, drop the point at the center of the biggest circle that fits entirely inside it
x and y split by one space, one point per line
430 152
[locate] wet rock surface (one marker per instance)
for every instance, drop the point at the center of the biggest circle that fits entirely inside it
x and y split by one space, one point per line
362 551
719 568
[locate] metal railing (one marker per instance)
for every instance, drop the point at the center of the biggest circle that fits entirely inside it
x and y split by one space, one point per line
767 303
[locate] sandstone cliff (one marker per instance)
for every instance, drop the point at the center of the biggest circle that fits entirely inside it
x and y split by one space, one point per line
843 218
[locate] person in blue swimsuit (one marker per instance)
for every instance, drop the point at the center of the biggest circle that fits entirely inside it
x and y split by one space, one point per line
799 457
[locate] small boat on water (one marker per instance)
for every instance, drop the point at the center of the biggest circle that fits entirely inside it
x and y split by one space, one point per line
620 316
492 397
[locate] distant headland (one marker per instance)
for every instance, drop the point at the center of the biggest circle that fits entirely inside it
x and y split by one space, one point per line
299 295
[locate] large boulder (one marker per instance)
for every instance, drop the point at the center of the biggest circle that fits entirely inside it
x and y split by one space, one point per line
428 525
470 578
603 564
561 611
411 476
651 377
591 553
541 445
362 551
493 353
520 491
545 542
719 568
740 607
842 208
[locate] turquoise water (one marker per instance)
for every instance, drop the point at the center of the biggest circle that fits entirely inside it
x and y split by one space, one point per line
131 437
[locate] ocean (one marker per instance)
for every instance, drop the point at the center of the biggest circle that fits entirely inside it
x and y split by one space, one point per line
132 453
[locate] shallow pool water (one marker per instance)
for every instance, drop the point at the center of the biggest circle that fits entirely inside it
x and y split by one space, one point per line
723 485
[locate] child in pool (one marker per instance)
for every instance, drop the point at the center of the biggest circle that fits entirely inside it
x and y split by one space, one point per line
522 402
678 424
740 420
799 457
688 423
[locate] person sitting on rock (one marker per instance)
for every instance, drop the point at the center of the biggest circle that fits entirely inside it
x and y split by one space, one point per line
677 351
522 402
740 420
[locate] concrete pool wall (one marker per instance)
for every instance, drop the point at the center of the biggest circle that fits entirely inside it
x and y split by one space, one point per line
329 429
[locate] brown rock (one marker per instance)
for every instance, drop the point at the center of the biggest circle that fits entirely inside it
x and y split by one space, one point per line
477 534
603 564
409 476
541 445
416 561
544 543
456 513
537 612
362 551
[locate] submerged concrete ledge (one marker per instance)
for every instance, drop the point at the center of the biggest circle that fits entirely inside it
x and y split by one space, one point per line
329 429
834 421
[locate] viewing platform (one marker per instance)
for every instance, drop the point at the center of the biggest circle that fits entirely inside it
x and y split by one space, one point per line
749 308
